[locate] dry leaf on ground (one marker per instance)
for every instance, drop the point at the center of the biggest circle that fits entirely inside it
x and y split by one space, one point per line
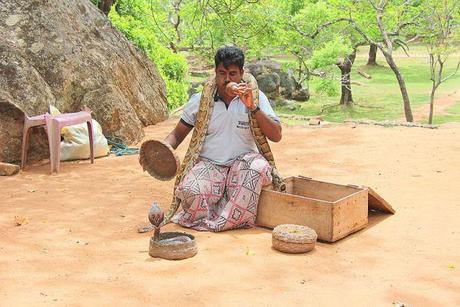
21 220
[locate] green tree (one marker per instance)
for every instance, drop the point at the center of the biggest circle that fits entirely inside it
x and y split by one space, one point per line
134 19
322 43
212 23
440 32
391 18
382 24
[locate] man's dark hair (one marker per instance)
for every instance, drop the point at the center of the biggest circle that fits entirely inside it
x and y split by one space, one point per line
229 55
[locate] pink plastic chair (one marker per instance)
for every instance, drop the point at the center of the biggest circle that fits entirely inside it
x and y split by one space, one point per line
54 125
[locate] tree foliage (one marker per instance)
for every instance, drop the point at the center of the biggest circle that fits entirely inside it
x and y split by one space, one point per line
211 24
134 19
322 35
440 30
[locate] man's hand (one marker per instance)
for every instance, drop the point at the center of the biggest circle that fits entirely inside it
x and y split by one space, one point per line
244 91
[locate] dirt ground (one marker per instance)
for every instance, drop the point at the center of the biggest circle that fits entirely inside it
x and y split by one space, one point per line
80 246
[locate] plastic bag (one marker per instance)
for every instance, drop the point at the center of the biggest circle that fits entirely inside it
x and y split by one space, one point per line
76 142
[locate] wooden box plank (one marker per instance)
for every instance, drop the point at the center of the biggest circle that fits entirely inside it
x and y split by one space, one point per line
305 186
349 215
277 208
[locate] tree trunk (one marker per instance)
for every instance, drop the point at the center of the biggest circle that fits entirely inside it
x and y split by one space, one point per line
372 60
389 58
402 87
105 6
176 28
433 91
430 117
176 22
346 98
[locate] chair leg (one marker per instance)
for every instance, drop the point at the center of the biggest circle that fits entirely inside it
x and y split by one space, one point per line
91 140
25 143
54 141
57 146
49 133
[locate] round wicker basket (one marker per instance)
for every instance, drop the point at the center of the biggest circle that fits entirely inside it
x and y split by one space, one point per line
173 246
159 159
293 239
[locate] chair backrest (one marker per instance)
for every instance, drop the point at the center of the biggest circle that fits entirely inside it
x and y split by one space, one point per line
55 111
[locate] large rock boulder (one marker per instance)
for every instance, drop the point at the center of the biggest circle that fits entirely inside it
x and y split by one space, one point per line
269 83
267 75
275 82
67 53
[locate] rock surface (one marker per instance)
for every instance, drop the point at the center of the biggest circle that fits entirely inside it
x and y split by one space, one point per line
68 54
275 82
277 85
7 169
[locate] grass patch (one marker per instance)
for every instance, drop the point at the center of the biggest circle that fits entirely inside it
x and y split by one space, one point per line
453 116
380 98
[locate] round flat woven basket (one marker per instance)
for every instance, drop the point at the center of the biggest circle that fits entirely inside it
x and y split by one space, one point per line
159 159
293 239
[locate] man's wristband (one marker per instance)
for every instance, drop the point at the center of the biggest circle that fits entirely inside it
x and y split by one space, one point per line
253 112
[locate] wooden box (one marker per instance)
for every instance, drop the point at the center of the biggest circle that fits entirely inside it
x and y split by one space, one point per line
332 210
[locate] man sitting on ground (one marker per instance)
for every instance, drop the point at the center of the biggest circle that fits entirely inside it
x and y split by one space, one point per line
222 189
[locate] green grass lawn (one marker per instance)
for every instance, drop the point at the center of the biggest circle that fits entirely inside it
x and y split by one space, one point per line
379 98
453 116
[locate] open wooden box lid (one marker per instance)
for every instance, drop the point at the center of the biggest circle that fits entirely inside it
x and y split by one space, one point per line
376 202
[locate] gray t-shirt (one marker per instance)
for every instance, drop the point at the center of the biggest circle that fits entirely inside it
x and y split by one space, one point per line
229 133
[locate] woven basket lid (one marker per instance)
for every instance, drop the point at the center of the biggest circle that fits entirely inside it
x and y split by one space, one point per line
292 233
159 159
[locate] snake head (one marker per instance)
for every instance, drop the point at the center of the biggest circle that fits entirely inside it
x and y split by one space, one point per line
156 215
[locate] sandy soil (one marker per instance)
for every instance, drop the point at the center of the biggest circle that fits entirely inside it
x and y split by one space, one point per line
81 248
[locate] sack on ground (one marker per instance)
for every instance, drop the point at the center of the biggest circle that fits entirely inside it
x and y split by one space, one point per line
76 142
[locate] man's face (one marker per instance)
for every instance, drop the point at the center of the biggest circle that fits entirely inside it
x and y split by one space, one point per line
225 75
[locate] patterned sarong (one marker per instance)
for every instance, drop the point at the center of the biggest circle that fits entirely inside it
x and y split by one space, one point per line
217 198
